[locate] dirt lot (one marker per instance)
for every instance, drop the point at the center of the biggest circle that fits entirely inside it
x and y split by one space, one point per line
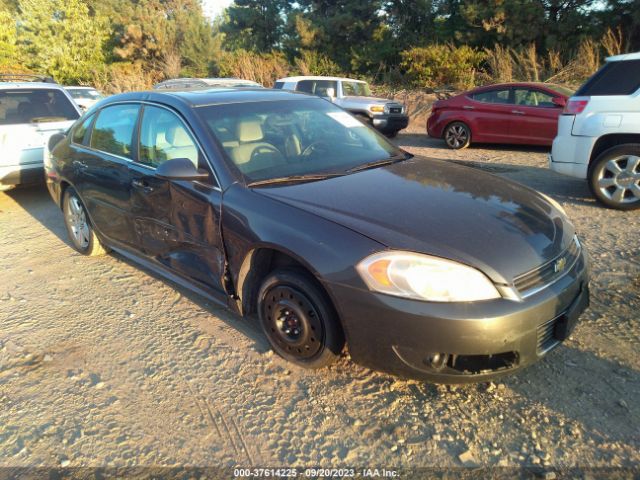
103 364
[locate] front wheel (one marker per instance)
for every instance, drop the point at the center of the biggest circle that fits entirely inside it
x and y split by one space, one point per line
614 177
80 231
457 135
298 319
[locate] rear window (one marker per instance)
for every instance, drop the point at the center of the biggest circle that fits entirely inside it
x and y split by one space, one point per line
35 106
615 78
279 85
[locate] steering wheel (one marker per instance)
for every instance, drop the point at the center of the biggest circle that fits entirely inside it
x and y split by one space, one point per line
261 149
314 147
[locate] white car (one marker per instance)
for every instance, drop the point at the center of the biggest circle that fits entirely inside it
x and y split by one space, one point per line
85 97
30 113
599 134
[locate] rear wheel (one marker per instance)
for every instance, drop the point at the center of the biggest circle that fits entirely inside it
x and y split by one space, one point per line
614 177
82 236
457 135
298 319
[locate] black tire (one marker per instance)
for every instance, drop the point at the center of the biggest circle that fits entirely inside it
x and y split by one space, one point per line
81 233
614 177
457 135
299 320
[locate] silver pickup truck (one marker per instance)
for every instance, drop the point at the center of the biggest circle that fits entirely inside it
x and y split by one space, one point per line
387 116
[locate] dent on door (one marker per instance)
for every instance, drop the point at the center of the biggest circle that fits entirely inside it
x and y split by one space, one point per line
181 230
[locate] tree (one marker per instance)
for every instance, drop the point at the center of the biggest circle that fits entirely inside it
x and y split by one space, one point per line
9 56
344 27
61 39
255 25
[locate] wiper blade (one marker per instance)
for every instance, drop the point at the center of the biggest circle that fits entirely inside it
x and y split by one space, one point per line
294 178
381 163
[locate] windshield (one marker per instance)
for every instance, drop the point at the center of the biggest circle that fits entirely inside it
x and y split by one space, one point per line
269 140
357 89
85 94
35 106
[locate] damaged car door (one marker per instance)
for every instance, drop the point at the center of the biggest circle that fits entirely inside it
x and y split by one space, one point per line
177 221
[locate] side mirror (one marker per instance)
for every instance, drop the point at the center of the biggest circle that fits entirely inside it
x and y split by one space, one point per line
559 101
180 169
331 92
54 140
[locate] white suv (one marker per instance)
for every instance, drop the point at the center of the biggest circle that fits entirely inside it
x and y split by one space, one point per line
599 134
30 112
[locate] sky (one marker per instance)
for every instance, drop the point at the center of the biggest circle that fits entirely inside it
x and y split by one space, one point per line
213 8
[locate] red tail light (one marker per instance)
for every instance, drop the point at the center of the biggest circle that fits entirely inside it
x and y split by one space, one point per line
576 105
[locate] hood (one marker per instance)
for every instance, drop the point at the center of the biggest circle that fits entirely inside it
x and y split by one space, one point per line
442 209
369 100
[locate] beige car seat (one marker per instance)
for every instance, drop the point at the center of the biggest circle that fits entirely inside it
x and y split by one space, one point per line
252 153
180 145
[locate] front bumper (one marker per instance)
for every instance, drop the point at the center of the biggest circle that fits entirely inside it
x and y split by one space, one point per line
390 123
480 340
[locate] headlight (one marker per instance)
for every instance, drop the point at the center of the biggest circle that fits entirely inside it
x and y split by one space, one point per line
377 108
423 277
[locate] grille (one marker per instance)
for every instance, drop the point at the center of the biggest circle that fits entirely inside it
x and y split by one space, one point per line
537 279
546 339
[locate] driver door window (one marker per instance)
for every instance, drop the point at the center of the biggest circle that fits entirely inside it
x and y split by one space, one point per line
163 136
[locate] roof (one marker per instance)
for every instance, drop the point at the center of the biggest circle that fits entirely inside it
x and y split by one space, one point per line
547 86
30 85
78 87
624 57
210 81
213 96
311 77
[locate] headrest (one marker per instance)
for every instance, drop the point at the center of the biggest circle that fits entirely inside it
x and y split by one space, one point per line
249 130
177 136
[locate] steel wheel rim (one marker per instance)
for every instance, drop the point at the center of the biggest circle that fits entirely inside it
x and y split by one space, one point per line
77 221
619 179
457 136
293 322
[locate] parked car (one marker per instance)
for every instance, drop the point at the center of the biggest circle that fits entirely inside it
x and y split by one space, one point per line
85 97
32 108
599 134
510 113
387 116
182 83
285 206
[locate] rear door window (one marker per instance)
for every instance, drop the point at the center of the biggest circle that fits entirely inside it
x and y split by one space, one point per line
317 87
615 78
502 96
37 105
279 85
113 130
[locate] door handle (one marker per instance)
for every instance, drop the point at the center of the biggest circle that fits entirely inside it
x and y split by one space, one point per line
517 112
141 184
468 107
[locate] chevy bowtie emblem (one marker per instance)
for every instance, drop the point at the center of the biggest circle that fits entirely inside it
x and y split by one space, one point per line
559 265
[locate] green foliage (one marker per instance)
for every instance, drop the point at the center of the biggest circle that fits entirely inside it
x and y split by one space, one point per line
255 24
264 68
311 62
9 56
60 38
442 65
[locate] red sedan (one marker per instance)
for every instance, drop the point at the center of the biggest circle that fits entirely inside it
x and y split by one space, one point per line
520 113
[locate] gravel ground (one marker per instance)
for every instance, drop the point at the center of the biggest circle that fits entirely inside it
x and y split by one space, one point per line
103 364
